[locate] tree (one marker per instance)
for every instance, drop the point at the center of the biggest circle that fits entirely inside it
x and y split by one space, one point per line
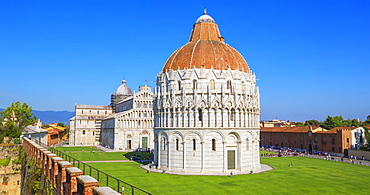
367 121
331 122
15 118
367 137
312 123
299 124
60 124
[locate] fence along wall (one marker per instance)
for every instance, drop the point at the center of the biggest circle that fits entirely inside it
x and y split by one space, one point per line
64 178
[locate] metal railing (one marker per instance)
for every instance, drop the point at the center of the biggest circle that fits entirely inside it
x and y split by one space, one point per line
103 178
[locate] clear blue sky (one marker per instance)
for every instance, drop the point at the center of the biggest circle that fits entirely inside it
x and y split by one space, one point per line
311 57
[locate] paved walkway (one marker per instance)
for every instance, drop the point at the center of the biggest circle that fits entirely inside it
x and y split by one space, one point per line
104 149
226 173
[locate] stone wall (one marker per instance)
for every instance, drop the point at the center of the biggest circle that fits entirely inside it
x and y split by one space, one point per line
64 178
10 177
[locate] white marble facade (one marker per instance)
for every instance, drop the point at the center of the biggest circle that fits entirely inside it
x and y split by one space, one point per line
206 120
85 125
131 127
205 128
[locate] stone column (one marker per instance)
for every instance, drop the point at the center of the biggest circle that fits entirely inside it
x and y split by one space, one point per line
184 156
239 155
195 113
225 156
169 154
159 152
202 170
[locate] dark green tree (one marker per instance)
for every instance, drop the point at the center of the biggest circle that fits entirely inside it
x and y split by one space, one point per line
60 124
299 124
312 123
367 137
355 123
331 122
367 121
15 118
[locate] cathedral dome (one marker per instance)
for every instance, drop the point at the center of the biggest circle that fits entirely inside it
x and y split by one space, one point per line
123 89
206 49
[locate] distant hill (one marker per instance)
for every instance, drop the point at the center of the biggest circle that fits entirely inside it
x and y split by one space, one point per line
47 117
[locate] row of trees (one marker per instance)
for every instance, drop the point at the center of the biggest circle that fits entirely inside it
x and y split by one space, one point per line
335 121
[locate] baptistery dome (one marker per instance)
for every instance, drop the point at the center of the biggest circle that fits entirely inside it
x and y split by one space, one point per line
206 49
206 108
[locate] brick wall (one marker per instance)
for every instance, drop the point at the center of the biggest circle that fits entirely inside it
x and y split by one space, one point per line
64 178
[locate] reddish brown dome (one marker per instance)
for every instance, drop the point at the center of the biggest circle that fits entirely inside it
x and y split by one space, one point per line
206 49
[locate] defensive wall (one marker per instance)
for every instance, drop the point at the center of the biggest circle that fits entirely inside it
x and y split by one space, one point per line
64 178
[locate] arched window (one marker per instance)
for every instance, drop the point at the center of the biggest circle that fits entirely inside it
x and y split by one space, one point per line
232 115
194 84
93 133
163 143
194 144
200 115
83 132
179 85
213 144
228 84
177 144
247 144
212 84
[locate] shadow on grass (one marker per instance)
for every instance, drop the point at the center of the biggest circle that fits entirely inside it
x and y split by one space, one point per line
140 157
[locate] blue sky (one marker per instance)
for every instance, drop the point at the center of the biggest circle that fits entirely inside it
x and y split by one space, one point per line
311 57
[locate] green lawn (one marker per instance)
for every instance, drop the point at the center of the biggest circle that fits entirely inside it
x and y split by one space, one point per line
77 149
91 154
97 156
307 176
267 152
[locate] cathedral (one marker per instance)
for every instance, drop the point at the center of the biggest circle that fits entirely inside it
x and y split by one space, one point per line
206 107
126 124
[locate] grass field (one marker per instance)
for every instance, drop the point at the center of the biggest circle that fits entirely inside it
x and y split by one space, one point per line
307 176
77 149
267 152
91 154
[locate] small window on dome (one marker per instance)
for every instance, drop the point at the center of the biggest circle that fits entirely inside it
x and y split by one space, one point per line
179 85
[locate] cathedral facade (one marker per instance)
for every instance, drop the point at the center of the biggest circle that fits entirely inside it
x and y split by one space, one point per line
131 126
206 107
125 124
